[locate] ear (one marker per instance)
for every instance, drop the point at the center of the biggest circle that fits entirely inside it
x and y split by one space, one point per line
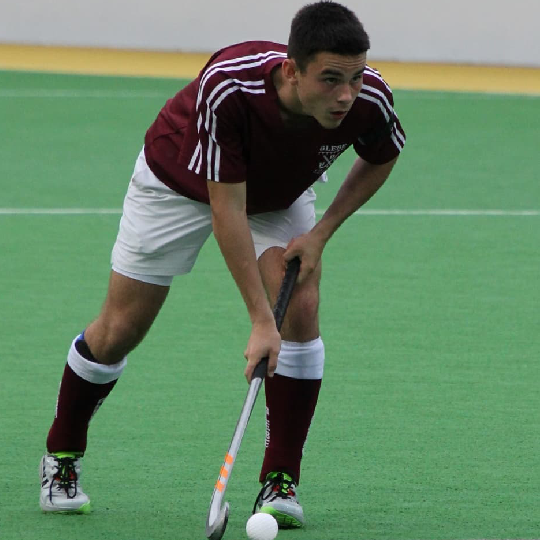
289 71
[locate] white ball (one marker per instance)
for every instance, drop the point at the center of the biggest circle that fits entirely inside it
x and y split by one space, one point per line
261 527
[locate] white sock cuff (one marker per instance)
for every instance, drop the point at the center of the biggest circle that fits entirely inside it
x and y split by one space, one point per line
301 360
91 371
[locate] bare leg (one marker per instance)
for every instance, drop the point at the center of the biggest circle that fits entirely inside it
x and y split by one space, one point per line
302 321
291 395
95 363
126 316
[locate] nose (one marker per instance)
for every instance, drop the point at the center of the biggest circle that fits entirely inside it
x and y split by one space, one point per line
345 94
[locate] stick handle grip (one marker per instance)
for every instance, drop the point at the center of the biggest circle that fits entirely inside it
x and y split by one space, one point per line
282 302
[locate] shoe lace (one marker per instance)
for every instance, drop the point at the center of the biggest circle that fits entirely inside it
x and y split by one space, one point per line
65 477
277 486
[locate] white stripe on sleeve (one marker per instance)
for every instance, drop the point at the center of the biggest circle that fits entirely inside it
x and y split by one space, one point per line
208 117
224 89
195 156
382 107
230 65
382 95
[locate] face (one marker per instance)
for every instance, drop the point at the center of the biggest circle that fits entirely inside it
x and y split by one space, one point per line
326 90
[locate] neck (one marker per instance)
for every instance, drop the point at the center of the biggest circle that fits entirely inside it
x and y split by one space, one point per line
290 107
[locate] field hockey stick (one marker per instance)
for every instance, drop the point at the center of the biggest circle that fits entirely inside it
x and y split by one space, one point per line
218 515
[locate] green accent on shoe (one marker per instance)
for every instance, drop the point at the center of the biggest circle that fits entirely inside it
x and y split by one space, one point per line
85 509
273 474
287 480
284 521
61 455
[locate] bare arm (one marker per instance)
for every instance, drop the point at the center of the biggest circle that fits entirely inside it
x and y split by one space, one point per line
362 182
231 229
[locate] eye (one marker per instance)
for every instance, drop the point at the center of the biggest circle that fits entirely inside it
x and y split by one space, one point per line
357 79
331 80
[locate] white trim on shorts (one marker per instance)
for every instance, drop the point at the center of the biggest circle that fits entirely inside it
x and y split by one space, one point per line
164 281
161 232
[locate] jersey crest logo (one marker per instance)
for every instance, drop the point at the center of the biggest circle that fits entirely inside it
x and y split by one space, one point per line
328 153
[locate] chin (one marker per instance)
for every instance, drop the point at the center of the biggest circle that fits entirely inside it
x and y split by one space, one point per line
330 124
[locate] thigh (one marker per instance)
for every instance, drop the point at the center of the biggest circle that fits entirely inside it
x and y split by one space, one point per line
277 229
161 232
271 232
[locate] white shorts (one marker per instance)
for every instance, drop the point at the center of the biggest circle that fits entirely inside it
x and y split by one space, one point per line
162 232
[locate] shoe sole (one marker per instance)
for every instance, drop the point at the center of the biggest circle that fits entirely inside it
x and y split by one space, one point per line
86 508
284 521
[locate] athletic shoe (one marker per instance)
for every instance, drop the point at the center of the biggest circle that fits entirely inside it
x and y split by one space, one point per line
61 490
278 498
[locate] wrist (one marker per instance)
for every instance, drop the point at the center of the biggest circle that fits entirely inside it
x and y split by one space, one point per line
322 232
262 316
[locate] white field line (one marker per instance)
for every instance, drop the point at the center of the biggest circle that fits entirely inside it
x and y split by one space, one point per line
57 211
388 212
84 94
443 212
412 93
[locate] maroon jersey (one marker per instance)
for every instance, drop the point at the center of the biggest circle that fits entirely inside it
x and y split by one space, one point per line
226 126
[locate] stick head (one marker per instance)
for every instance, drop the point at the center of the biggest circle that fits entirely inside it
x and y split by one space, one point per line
215 529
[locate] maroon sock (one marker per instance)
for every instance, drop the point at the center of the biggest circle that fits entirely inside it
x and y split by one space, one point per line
78 400
290 404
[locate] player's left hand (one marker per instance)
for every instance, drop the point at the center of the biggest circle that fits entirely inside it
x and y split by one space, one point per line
309 249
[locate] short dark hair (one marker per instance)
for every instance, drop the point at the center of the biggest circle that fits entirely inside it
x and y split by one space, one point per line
325 26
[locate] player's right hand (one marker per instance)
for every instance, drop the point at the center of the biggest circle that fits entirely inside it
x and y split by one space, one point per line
263 341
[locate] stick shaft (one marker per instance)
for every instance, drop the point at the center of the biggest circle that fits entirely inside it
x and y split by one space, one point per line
282 302
259 373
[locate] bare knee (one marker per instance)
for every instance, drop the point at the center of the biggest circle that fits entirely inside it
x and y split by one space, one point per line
111 338
127 315
302 321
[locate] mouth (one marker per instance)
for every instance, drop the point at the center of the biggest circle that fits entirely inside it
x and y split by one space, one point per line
339 114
